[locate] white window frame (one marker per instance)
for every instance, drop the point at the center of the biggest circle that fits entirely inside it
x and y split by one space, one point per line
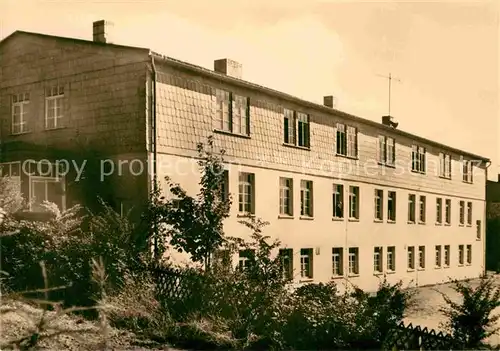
419 156
378 253
447 211
46 181
467 171
421 257
306 263
306 198
354 202
338 201
447 256
461 212
444 165
412 208
233 112
246 190
391 259
386 151
353 261
55 95
439 210
469 213
337 261
286 196
422 205
469 255
410 258
379 204
461 255
391 206
438 261
20 101
347 141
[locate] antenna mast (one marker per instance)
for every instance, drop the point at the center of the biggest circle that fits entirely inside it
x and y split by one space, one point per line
389 78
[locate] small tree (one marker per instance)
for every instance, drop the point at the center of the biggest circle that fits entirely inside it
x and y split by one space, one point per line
471 321
195 224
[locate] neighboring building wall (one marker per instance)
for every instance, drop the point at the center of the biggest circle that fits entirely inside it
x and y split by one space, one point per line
103 113
493 226
186 115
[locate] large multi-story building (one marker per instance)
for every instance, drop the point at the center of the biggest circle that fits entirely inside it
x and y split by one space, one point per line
349 198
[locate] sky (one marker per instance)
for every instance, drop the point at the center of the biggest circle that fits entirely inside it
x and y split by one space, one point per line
444 54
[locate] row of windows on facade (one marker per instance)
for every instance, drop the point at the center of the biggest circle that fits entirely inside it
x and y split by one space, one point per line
246 202
233 115
442 260
54 109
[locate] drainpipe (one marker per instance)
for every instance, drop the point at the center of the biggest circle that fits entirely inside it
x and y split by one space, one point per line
153 145
483 229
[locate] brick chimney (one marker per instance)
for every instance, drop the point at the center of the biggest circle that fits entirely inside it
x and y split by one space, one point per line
102 31
330 101
228 67
389 121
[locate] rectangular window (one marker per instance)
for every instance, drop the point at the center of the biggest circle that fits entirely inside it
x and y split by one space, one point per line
421 257
448 211
337 260
411 208
286 196
460 254
469 254
467 169
286 258
469 213
418 159
354 202
411 257
379 199
303 129
391 258
478 229
386 150
377 259
447 255
246 193
289 124
444 165
422 209
462 212
391 206
341 140
347 140
20 103
296 128
438 256
439 210
233 112
353 261
54 107
245 259
306 263
338 201
306 198
224 186
46 189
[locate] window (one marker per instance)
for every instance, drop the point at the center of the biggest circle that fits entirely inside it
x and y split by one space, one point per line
478 229
306 268
444 165
439 210
347 141
447 255
10 169
46 189
438 256
379 198
460 254
386 150
245 259
391 206
421 257
233 112
469 213
391 258
353 261
224 186
296 128
462 212
354 202
20 103
286 196
422 209
469 254
286 258
306 198
247 193
222 258
418 159
411 208
337 260
467 169
377 259
448 212
338 201
54 107
411 257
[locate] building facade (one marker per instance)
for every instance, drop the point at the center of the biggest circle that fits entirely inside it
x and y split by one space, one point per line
349 199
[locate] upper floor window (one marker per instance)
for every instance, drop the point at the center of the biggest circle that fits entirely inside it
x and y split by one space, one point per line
296 129
411 208
439 210
379 199
306 196
54 107
233 112
354 202
391 206
347 140
447 212
246 193
444 165
20 103
422 206
286 196
386 150
338 201
469 213
462 212
467 169
418 159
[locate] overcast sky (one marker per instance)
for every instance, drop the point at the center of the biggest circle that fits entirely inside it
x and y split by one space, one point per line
446 53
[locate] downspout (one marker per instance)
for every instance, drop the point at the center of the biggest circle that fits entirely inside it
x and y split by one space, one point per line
483 229
153 146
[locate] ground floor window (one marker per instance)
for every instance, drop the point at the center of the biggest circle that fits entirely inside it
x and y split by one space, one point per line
46 189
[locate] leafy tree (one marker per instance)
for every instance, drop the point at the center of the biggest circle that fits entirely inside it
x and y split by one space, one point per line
471 321
195 224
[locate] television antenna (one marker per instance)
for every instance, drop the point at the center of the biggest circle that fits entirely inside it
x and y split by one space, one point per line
390 78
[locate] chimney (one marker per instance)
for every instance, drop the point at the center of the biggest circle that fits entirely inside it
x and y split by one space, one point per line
102 31
228 67
389 121
330 101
